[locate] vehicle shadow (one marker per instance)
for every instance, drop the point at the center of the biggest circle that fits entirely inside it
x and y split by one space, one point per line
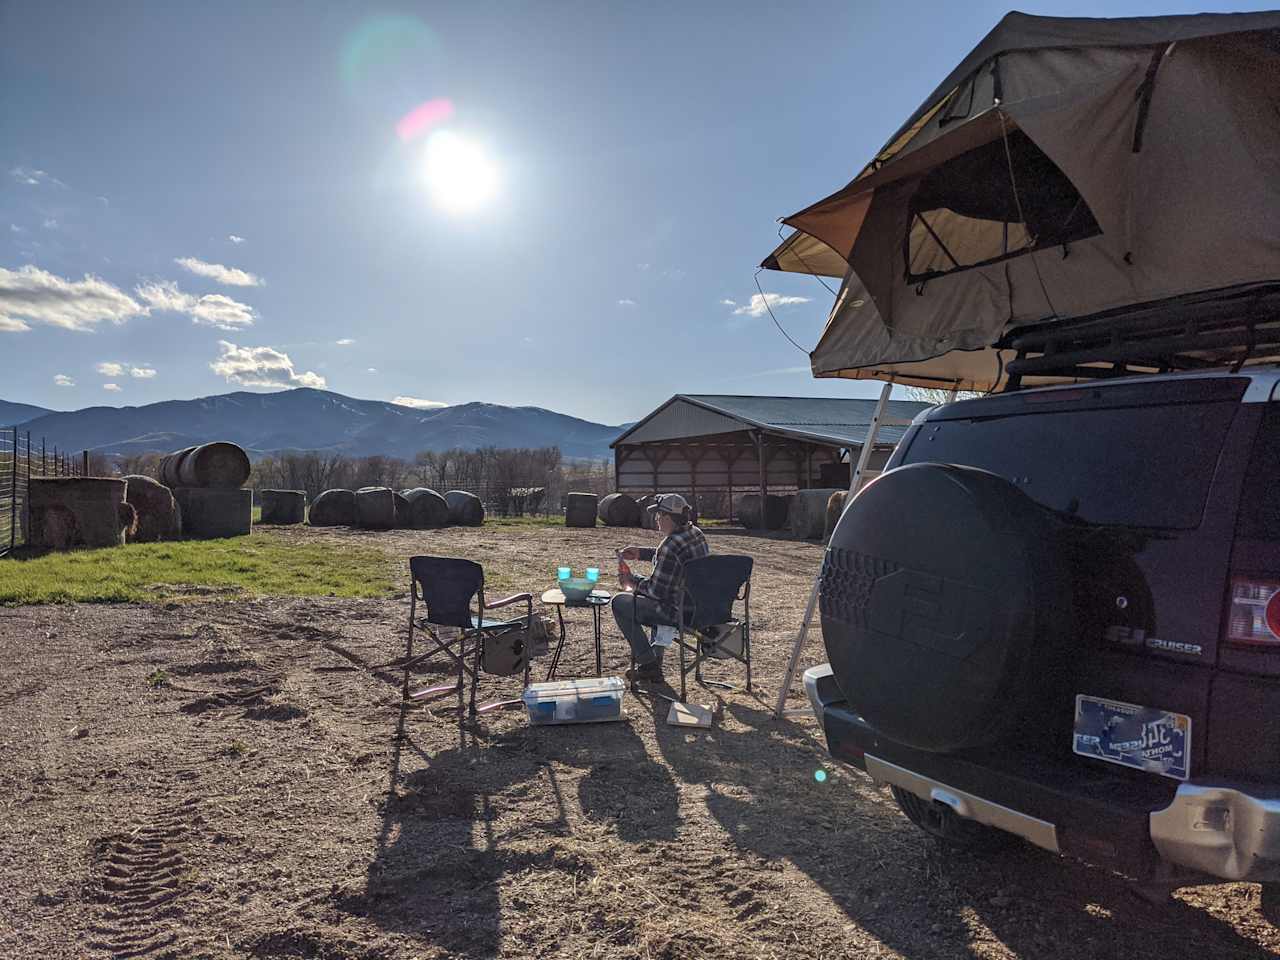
898 884
455 822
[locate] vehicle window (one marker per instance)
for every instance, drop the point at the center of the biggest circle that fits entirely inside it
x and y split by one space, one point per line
1260 501
1135 466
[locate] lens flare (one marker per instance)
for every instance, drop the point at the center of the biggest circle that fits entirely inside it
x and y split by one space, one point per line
423 117
459 172
820 776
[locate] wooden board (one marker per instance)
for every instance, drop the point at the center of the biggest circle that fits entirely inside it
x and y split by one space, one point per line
688 715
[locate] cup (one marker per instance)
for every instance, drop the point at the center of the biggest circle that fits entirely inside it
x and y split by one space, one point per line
593 574
563 573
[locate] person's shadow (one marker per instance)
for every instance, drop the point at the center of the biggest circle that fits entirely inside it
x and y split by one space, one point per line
901 886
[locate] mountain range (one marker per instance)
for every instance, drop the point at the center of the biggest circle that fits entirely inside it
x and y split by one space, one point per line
307 419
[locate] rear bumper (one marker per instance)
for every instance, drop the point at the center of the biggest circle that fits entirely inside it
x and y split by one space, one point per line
1138 826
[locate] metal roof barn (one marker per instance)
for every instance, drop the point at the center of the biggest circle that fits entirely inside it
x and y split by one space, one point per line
713 447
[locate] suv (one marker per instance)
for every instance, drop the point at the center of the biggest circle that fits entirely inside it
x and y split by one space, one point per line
1057 613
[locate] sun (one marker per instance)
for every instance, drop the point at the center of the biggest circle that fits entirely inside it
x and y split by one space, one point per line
460 174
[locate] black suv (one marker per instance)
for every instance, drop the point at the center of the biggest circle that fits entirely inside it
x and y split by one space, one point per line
1057 613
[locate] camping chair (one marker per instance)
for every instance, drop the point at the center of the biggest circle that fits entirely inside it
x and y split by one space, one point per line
709 630
446 587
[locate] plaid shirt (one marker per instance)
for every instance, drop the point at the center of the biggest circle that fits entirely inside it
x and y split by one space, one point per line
675 550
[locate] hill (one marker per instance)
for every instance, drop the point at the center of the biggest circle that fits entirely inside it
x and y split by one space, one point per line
307 419
16 413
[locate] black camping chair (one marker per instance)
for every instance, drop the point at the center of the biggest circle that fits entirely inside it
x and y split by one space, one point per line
447 587
711 587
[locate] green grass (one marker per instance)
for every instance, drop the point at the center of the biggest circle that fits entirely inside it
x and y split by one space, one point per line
262 564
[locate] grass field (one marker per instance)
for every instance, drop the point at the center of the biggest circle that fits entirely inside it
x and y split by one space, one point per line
263 564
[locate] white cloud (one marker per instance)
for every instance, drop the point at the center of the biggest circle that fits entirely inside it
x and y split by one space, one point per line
211 310
234 239
260 367
344 342
373 369
227 276
142 373
14 228
728 303
111 369
62 380
32 177
760 305
33 295
111 387
417 403
626 302
50 223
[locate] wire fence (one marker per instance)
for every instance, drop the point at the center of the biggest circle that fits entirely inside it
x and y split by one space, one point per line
21 458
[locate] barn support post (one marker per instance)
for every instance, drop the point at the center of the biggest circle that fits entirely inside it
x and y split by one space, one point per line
758 437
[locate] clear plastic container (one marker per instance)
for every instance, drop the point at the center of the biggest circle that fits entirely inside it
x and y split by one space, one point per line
589 700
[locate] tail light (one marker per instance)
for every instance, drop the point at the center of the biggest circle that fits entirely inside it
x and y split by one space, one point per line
1254 617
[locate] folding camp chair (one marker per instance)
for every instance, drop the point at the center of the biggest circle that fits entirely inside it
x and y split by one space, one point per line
447 587
709 630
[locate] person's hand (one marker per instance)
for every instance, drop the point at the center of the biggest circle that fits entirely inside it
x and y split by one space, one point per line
629 553
628 583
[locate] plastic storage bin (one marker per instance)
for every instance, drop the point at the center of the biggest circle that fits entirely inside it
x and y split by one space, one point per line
590 700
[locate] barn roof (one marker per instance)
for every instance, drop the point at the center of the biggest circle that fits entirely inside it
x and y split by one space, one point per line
829 421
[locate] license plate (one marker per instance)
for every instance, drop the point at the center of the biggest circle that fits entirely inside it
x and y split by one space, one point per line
1140 737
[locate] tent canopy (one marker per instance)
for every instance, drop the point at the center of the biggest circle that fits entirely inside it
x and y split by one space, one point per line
1066 168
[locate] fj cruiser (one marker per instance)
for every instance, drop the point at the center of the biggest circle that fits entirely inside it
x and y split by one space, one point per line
1057 613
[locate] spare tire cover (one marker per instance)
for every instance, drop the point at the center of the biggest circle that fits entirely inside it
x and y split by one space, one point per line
944 600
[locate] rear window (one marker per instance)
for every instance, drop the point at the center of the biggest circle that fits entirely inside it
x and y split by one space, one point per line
1260 502
1135 466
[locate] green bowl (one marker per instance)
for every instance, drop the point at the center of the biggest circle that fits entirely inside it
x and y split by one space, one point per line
576 589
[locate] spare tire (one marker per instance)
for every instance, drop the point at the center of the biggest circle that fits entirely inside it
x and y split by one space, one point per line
945 602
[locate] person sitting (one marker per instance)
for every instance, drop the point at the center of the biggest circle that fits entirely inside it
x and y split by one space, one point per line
651 601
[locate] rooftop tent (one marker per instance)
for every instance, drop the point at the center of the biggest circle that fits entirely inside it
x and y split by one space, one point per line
1066 168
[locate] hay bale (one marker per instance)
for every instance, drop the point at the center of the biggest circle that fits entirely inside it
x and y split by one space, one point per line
835 508
427 509
157 510
404 511
333 508
465 509
619 510
376 508
775 511
580 510
647 519
219 464
78 512
211 512
283 506
808 514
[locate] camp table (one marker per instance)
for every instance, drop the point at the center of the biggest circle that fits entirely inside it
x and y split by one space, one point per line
597 600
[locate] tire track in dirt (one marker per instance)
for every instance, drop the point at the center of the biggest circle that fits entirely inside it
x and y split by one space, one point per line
137 885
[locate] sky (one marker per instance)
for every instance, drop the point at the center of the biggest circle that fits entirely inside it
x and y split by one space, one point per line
554 204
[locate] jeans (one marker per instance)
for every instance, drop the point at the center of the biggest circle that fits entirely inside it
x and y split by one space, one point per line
634 614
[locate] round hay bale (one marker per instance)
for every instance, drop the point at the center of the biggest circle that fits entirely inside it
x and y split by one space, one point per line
404 511
78 512
465 509
158 517
775 512
428 510
376 508
808 514
619 510
211 512
283 506
647 520
835 508
218 464
580 510
333 508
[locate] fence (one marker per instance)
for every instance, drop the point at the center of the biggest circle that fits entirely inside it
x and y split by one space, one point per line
22 458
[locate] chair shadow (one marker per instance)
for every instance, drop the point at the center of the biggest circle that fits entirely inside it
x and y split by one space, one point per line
900 885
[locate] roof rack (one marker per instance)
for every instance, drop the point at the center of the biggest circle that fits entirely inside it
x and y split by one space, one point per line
1212 329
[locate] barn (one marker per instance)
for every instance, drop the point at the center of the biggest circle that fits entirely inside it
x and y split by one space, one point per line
714 448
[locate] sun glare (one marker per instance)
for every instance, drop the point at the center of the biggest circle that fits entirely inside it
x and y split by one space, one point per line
460 175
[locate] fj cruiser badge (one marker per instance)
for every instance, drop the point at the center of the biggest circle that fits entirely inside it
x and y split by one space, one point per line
1137 637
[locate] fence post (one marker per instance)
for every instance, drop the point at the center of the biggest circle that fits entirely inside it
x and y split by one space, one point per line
26 498
86 464
13 494
44 466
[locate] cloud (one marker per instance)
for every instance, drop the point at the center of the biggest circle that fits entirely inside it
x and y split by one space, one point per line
33 295
62 380
227 276
234 239
50 223
418 404
142 373
111 369
728 303
260 367
211 310
33 178
760 305
14 228
344 342
373 369
626 302
111 387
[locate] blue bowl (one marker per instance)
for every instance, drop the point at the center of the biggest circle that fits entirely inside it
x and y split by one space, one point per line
576 589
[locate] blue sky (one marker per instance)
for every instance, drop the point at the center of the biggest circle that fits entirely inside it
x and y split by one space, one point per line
197 198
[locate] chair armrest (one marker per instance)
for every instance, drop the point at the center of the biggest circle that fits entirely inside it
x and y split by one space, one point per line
507 601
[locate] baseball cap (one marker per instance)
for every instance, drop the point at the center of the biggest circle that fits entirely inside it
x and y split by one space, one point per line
669 503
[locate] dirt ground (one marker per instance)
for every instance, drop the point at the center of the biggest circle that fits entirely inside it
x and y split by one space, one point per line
237 779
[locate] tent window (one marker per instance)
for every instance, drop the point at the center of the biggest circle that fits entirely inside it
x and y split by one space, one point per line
964 213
